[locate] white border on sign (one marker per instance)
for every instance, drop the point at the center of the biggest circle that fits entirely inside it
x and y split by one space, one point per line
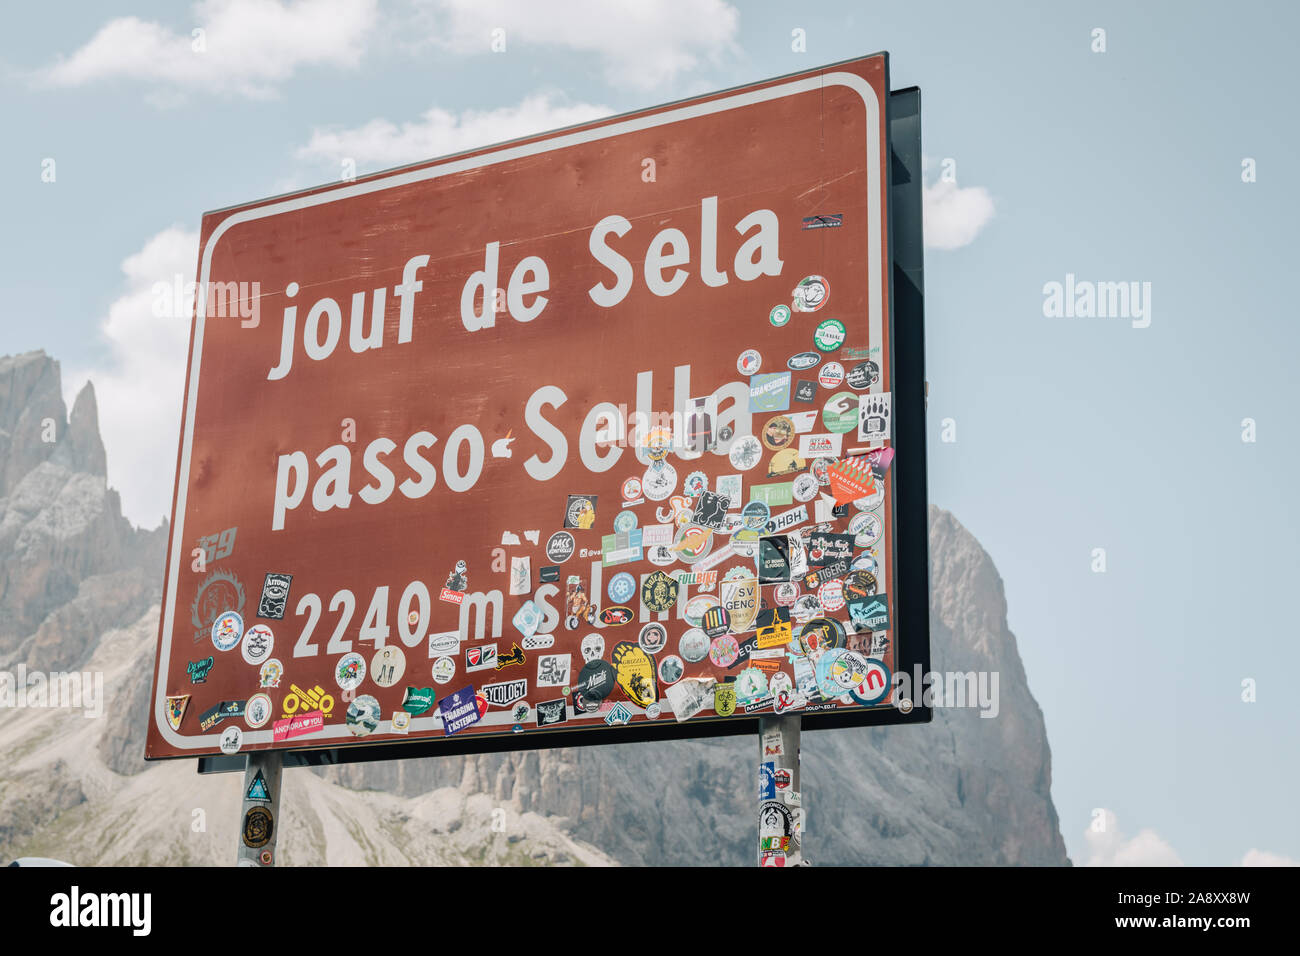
875 323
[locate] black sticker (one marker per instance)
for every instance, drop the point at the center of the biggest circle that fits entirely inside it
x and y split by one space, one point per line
711 509
275 596
870 613
552 712
805 391
824 549
863 375
549 574
596 681
774 559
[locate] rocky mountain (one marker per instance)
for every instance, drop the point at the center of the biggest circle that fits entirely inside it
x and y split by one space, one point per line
79 588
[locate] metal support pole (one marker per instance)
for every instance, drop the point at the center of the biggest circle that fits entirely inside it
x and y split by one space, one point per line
780 801
259 819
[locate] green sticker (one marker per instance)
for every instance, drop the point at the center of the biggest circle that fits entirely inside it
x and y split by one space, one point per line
830 335
779 493
418 700
779 315
840 414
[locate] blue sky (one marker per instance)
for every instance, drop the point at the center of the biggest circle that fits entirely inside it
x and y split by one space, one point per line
1072 433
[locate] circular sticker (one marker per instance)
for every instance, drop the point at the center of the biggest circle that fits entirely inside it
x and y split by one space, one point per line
659 480
805 487
821 470
653 638
671 669
559 547
696 484
227 629
632 489
754 515
257 711
593 645
693 645
596 681
875 685
749 362
270 674
656 445
778 432
350 671
724 650
660 554
831 375
624 522
830 335
820 634
859 584
232 738
831 595
872 501
866 561
363 715
810 294
444 669
868 527
780 683
692 543
653 711
863 375
257 644
779 315
785 462
388 665
697 606
805 609
621 588
785 594
716 620
746 452
659 592
840 413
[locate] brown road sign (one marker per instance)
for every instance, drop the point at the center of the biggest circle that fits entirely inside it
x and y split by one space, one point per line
470 448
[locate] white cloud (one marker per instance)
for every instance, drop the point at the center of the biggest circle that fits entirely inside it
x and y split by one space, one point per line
954 215
381 143
141 384
249 47
642 44
1110 847
1264 858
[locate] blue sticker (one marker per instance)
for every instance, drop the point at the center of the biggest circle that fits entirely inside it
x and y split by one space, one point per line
618 715
769 392
622 587
458 711
624 522
227 630
527 619
767 780
257 789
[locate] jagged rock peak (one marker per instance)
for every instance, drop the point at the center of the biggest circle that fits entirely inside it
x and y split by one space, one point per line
81 448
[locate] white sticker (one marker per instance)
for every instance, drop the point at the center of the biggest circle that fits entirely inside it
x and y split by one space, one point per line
803 421
821 445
